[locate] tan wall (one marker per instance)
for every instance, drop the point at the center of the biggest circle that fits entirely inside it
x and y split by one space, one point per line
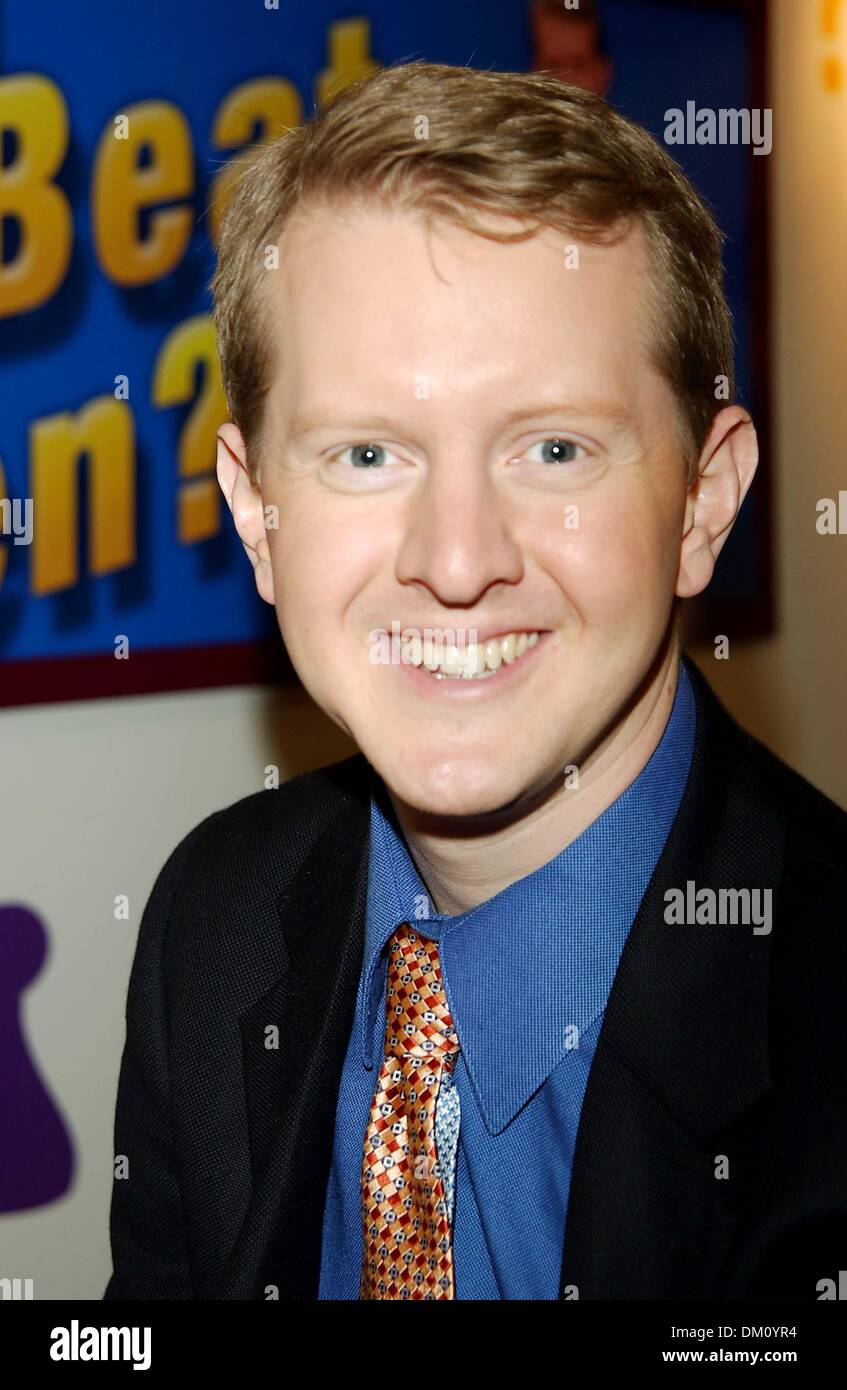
95 795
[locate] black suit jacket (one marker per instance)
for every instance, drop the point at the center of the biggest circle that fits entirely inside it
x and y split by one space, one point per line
720 1051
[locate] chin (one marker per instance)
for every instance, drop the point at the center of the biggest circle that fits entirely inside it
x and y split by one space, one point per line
458 788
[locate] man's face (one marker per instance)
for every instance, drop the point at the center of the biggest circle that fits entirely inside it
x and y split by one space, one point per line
523 476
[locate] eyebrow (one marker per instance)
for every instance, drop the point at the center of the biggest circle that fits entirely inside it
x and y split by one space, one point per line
588 405
304 424
309 424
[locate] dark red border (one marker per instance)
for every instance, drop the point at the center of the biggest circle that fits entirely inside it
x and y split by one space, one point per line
45 680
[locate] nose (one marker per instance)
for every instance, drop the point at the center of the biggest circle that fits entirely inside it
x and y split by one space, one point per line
459 536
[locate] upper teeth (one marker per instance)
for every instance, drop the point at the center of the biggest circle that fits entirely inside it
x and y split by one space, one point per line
472 659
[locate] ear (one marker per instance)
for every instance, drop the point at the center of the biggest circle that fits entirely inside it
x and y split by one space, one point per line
244 499
725 471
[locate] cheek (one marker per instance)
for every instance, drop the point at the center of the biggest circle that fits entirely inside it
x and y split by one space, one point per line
322 559
619 559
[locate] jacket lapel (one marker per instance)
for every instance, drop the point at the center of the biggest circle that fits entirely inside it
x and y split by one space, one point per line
291 1089
682 1053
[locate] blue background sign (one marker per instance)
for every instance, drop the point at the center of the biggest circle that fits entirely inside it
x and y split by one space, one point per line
111 391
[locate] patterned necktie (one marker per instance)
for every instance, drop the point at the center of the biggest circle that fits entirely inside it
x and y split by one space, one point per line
408 1251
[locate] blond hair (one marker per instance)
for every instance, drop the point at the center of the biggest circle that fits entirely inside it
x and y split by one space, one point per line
527 145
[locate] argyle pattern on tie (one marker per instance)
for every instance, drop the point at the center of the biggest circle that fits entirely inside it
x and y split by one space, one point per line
447 1120
408 1248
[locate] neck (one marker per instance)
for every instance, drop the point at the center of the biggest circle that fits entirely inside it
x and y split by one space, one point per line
463 865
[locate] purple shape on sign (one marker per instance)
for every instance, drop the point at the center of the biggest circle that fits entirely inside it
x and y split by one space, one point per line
36 1156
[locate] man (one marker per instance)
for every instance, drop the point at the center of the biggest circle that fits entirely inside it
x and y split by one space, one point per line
569 41
535 996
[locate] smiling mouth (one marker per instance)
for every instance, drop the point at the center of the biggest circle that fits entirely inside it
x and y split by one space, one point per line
472 661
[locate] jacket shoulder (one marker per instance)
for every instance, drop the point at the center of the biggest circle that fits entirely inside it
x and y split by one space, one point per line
315 796
815 826
288 819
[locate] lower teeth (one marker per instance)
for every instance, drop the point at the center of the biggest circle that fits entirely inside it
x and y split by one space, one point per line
461 676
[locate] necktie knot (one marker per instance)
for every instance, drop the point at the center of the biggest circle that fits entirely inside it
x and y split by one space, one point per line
418 1021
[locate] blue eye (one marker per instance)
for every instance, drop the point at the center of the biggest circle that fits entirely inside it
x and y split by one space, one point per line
556 450
366 455
365 467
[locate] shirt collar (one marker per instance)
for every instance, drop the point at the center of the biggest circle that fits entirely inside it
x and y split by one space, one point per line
528 971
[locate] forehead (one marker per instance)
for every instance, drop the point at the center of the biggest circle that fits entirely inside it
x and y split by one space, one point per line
365 297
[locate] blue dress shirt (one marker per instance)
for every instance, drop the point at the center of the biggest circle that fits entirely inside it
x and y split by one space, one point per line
527 976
